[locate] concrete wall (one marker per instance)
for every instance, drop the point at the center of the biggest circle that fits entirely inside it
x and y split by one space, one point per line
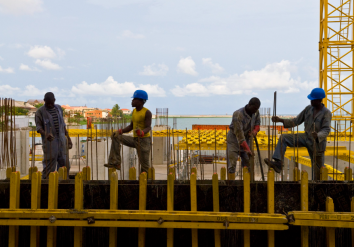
22 152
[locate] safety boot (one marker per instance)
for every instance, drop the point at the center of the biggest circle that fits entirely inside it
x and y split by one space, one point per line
112 166
275 164
231 176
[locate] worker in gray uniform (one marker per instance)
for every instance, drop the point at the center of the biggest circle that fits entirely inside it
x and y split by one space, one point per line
245 123
50 124
317 119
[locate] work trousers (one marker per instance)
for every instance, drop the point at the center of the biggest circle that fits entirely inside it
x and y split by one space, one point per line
233 152
143 149
54 157
300 140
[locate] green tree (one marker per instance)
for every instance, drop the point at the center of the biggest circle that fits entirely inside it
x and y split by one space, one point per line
38 105
20 111
116 112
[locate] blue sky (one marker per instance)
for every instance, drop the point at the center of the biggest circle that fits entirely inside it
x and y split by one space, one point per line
193 57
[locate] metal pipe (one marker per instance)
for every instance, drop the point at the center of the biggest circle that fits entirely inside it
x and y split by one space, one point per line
96 153
334 145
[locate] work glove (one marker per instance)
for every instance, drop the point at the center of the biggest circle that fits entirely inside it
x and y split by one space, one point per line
246 148
119 132
140 133
256 130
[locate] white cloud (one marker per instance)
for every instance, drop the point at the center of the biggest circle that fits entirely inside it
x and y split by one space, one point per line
27 68
8 70
41 52
32 91
8 90
215 67
47 64
127 34
115 3
19 7
110 87
153 70
275 76
187 66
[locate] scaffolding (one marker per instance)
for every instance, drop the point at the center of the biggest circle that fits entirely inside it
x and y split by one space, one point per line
336 47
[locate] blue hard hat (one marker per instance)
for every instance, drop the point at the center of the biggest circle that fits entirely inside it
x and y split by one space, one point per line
317 93
140 94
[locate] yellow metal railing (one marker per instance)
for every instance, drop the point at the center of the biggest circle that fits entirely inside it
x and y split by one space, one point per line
114 218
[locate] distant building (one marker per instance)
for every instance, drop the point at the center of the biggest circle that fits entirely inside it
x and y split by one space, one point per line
75 109
126 111
35 101
94 113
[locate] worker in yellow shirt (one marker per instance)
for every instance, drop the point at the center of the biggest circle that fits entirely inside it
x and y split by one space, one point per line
141 126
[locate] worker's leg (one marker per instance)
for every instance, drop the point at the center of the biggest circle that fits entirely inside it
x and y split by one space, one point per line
114 155
143 152
232 151
245 160
51 152
285 140
62 159
289 140
319 162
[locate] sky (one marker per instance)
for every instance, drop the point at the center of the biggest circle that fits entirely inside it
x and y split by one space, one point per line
191 56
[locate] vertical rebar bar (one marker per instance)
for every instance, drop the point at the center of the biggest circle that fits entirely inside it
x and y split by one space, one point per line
96 153
334 145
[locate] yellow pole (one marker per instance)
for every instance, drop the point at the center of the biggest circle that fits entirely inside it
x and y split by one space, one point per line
32 170
331 236
151 173
14 204
324 173
35 204
246 203
270 197
142 205
304 207
52 204
62 173
352 210
113 205
216 207
132 173
170 202
86 172
193 192
78 206
223 173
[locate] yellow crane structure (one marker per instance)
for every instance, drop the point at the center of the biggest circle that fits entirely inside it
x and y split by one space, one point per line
336 47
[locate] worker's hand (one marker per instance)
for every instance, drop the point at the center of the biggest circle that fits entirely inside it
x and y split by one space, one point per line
70 143
118 132
256 130
276 119
314 135
140 133
49 137
246 148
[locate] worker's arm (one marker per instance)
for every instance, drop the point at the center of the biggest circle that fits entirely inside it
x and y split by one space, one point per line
293 122
238 126
40 126
325 127
148 117
128 128
70 144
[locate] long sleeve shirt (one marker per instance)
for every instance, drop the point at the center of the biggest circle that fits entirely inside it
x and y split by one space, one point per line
322 122
242 124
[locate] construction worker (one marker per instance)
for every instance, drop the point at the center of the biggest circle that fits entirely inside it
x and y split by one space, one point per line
317 119
141 126
50 124
245 123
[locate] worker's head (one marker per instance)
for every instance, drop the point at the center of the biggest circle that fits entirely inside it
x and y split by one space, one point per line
316 96
49 100
139 98
253 105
